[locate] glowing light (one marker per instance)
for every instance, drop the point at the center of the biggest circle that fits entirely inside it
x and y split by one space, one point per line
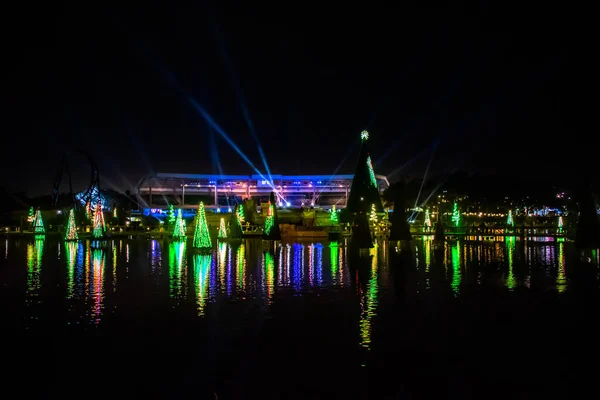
177 269
369 302
240 267
560 224
456 274
222 230
371 172
511 282
561 275
71 231
171 218
96 291
270 221
456 215
509 220
427 219
333 217
31 215
179 227
71 257
201 235
373 215
364 135
240 214
269 274
38 223
94 197
202 264
99 227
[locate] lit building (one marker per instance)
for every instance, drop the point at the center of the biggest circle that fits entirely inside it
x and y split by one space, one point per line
186 190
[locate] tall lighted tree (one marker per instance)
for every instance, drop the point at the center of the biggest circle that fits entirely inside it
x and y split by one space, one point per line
235 225
38 223
455 214
240 213
560 224
171 218
373 215
201 235
427 222
271 229
99 225
222 230
88 210
333 217
179 227
510 223
71 231
364 190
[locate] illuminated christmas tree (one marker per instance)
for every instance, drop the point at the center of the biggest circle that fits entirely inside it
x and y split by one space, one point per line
373 215
364 189
71 231
115 216
427 222
240 213
235 225
179 227
334 216
560 224
99 226
222 230
271 229
38 223
171 219
201 234
88 210
455 215
510 223
31 215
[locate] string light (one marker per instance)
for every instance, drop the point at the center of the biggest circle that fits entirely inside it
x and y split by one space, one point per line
99 227
201 234
71 232
333 217
38 223
222 230
179 227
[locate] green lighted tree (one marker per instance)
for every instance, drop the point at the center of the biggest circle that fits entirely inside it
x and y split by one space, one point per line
38 223
427 222
373 215
334 218
99 226
235 226
31 215
222 230
201 234
509 220
364 190
560 224
455 214
179 227
171 218
240 213
271 229
71 231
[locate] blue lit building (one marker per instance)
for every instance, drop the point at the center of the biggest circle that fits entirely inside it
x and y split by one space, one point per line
223 191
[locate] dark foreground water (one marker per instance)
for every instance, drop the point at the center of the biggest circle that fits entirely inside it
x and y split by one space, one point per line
256 320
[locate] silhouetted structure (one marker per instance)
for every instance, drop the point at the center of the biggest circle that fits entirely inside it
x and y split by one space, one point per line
439 236
271 230
587 234
400 229
364 191
361 234
235 227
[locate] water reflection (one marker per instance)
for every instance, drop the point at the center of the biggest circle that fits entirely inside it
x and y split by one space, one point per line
511 281
268 272
202 267
368 299
71 249
561 275
35 253
95 283
177 269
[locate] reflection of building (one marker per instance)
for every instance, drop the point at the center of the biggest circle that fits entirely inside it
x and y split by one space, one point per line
156 191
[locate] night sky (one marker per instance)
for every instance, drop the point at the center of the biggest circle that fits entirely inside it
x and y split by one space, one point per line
467 87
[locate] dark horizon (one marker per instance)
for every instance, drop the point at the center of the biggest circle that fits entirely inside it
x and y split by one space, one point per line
458 86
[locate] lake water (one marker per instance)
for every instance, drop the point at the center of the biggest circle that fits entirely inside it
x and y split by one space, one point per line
300 320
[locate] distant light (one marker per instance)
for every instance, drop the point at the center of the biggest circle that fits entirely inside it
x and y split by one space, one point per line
364 135
218 210
279 204
287 203
229 209
312 204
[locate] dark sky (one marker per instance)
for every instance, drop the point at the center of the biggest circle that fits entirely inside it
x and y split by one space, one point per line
479 85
